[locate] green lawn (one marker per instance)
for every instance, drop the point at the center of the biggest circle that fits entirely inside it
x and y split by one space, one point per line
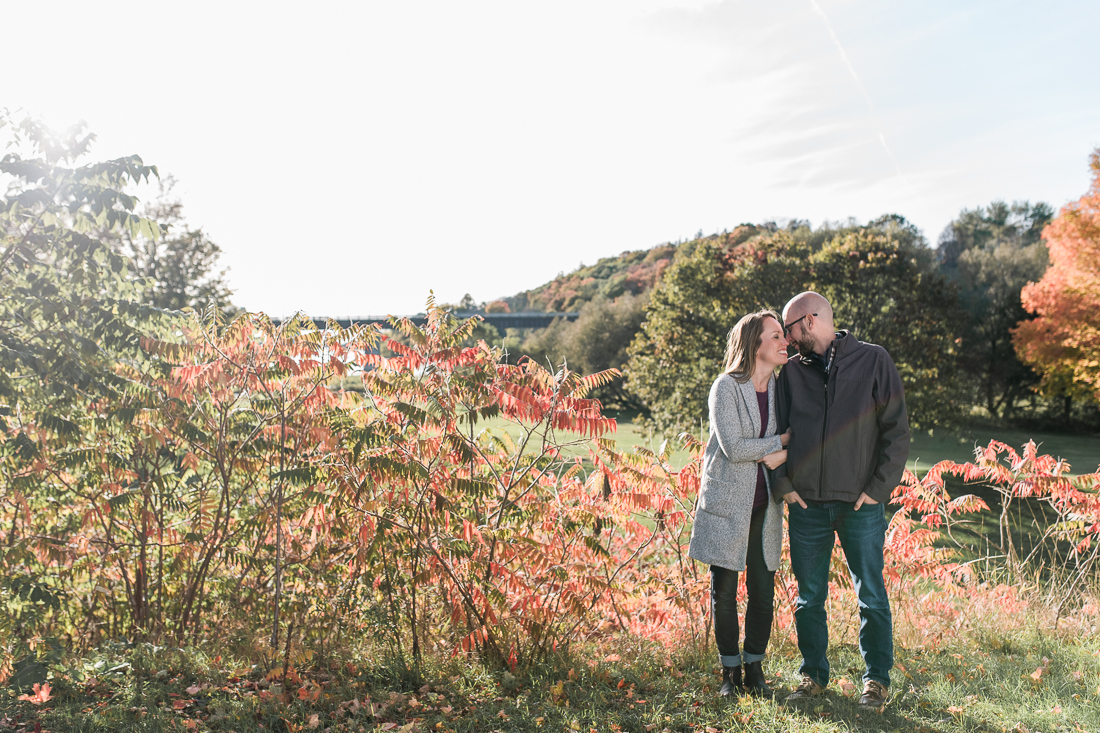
989 681
1081 450
626 436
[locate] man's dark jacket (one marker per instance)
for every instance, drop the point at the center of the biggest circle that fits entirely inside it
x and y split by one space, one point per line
849 430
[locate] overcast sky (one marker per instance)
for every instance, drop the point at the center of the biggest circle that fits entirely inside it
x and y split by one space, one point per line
350 156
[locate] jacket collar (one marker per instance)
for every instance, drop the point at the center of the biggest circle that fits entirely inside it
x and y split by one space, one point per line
824 362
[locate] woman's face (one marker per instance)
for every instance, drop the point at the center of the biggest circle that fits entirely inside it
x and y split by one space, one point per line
773 345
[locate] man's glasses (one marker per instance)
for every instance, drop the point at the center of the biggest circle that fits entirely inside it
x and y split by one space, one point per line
789 326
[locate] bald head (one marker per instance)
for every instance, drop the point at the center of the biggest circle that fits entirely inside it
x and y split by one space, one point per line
809 320
808 302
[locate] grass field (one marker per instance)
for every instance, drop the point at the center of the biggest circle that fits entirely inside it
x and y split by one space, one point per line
1019 681
1081 450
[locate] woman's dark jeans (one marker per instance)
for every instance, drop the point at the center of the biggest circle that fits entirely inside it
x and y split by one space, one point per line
760 583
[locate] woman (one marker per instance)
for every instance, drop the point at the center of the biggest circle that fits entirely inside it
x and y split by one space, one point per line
738 525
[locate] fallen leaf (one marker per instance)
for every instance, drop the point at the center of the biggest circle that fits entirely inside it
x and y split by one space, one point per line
41 694
193 690
314 721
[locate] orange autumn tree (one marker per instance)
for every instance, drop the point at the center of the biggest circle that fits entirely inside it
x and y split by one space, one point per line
1063 343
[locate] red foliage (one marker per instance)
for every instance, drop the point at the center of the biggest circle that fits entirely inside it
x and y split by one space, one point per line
1063 343
469 504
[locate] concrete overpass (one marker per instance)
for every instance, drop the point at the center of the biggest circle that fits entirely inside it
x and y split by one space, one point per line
500 321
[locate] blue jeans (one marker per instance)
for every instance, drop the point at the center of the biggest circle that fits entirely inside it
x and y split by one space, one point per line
862 536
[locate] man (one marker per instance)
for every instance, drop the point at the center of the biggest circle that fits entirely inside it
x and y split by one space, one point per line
843 401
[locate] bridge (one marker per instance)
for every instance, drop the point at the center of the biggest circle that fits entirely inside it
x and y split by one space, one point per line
500 321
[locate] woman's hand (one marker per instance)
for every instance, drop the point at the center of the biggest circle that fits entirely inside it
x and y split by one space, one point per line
786 438
775 460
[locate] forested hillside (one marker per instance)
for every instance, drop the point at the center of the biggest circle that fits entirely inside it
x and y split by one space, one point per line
633 272
630 272
947 312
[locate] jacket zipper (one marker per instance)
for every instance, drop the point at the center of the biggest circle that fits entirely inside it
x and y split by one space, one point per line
824 430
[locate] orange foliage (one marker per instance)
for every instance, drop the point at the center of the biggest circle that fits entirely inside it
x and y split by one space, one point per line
1063 343
471 504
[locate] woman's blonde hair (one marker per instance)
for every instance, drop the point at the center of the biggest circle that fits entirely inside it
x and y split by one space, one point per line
744 340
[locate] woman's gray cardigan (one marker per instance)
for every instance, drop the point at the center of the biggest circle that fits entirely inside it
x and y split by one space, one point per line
720 534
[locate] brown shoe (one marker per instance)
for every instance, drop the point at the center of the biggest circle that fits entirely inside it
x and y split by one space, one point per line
806 689
874 697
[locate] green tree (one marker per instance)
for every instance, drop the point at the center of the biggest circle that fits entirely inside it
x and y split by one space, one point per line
181 266
596 341
67 299
991 254
882 281
69 313
885 288
679 350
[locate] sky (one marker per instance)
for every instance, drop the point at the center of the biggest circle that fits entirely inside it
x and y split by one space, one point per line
351 157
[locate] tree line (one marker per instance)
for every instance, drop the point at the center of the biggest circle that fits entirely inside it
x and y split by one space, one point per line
950 314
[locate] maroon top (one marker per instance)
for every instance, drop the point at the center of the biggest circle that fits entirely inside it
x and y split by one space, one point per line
761 484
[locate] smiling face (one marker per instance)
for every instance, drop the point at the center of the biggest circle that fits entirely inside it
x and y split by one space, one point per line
801 336
773 345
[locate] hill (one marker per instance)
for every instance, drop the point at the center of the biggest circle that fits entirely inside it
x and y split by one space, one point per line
633 272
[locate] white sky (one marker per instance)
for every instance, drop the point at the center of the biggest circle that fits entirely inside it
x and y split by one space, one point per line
350 156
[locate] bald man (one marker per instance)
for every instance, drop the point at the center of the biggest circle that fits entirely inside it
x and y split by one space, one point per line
844 404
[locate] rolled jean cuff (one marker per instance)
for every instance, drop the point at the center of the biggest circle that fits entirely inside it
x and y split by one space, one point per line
750 658
730 661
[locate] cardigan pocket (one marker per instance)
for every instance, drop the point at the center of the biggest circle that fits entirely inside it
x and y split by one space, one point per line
718 497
